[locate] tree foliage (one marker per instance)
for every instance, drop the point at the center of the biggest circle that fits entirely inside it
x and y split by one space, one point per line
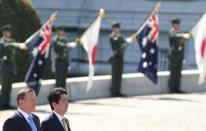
24 20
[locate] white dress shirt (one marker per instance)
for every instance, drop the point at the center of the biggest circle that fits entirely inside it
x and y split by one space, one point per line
24 114
59 117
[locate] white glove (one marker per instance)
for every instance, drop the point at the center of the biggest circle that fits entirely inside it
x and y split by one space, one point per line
129 40
22 46
72 44
186 35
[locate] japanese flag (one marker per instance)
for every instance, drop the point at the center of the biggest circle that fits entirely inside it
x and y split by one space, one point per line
199 34
90 40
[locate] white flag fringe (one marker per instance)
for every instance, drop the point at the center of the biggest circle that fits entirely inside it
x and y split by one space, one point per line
89 39
199 35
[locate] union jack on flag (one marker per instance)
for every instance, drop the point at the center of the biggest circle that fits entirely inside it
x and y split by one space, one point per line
38 46
147 38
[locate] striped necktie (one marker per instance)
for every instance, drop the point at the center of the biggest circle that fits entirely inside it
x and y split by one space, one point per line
65 124
31 123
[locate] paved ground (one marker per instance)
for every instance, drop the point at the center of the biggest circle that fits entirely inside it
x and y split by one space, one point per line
139 113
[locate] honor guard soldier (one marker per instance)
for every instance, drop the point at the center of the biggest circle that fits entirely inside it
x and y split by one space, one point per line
7 64
117 42
176 55
61 48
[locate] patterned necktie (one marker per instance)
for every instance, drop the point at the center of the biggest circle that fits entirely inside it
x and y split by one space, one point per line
65 124
31 123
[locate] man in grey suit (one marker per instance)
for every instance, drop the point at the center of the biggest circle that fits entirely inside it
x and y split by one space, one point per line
24 119
56 121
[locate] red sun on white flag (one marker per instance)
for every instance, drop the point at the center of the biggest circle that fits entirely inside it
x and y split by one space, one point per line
94 50
203 48
199 35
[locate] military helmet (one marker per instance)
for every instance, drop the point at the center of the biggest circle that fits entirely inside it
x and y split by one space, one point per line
116 24
176 21
60 27
6 28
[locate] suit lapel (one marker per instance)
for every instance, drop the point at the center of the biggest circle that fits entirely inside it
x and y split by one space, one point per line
57 122
24 121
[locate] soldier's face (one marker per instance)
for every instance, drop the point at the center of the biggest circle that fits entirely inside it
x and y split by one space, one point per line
176 26
116 29
7 34
60 33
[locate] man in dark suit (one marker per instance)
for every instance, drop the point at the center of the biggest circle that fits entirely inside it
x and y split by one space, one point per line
23 119
56 121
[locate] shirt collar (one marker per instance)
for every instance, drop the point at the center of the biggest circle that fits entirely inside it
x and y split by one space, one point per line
24 114
58 116
5 39
60 37
173 29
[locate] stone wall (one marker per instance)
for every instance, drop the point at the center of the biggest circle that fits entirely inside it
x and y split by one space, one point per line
132 84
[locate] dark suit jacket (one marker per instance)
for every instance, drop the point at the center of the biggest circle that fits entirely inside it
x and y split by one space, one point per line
17 122
52 123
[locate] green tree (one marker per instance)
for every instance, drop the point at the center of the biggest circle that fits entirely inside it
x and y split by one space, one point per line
23 17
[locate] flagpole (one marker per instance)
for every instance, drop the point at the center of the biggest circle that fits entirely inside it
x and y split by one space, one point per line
52 18
87 30
102 15
157 6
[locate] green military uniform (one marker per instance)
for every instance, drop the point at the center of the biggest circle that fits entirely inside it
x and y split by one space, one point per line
176 56
61 60
117 42
7 71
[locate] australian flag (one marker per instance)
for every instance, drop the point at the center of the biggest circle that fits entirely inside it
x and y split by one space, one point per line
38 46
148 42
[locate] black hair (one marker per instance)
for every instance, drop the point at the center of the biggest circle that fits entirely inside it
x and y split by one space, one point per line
54 96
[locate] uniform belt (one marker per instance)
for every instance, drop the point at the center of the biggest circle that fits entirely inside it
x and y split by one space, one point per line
60 56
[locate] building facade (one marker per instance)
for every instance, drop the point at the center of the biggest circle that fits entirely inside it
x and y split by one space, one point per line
77 15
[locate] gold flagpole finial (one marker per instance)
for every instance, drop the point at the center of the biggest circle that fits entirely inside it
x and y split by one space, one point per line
102 13
157 6
53 16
